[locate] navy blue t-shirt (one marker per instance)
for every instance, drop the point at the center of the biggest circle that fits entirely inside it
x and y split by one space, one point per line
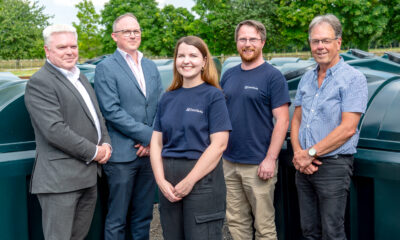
187 116
251 97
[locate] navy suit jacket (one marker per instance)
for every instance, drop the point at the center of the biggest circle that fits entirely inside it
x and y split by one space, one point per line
129 114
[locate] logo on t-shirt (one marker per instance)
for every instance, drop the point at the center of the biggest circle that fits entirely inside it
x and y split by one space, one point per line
194 110
250 87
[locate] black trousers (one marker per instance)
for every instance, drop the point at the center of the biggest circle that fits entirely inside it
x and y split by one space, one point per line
200 215
322 198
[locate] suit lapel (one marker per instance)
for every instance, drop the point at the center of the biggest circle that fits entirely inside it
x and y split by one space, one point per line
92 95
72 88
124 65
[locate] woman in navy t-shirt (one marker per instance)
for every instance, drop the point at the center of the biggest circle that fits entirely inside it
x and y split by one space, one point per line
191 132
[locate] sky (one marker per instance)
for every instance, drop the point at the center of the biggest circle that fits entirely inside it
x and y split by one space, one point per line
64 11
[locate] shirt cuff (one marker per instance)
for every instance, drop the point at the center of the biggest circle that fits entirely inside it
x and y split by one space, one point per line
95 154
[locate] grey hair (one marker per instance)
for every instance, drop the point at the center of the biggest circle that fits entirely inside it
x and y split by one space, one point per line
114 26
57 28
331 20
253 23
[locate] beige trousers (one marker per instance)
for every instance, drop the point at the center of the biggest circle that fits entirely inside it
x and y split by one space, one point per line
250 202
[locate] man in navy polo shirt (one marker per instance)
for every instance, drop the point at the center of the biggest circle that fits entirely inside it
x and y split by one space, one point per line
329 102
256 93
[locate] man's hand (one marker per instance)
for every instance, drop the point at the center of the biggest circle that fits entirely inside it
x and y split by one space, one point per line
312 168
301 159
266 169
103 153
142 151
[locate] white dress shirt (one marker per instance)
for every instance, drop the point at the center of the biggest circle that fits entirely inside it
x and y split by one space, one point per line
136 68
73 77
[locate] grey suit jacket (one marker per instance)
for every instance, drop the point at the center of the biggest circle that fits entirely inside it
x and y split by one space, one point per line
65 132
129 114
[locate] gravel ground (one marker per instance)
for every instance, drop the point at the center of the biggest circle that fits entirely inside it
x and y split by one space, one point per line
156 232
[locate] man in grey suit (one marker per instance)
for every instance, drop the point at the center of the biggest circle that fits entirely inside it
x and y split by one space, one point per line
128 87
71 138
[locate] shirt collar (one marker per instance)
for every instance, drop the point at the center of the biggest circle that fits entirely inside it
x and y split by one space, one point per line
332 70
72 75
125 54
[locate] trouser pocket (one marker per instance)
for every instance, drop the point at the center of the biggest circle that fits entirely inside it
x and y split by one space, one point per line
209 226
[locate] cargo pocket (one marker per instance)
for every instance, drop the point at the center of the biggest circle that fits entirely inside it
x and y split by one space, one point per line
209 226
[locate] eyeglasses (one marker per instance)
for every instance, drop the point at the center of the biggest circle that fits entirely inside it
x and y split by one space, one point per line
127 33
251 40
325 41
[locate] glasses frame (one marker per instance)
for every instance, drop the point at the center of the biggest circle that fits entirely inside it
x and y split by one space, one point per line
128 33
325 41
251 40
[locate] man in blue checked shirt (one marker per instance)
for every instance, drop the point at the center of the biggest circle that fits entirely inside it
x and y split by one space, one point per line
328 105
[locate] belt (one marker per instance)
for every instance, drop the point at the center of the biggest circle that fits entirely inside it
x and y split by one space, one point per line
336 156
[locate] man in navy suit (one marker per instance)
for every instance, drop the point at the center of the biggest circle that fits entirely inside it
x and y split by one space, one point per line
128 88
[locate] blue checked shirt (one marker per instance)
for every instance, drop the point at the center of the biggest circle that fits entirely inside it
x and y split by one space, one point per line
344 89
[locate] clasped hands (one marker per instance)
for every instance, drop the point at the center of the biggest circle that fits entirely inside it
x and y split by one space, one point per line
142 150
305 163
103 153
174 194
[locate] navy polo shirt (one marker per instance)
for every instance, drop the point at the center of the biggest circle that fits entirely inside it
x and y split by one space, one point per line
187 116
251 97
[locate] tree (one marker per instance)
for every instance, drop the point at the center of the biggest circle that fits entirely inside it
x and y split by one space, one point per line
218 20
89 35
176 24
391 32
21 26
362 20
148 15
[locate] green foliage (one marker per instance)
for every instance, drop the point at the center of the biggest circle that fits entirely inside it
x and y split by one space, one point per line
89 35
21 26
176 24
218 20
362 21
365 23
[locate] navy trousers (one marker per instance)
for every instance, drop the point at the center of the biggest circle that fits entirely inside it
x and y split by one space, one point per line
131 197
323 197
200 215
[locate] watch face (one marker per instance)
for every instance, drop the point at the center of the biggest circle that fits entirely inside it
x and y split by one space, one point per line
312 152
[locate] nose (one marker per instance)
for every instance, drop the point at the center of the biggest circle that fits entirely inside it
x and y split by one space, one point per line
320 44
186 59
69 50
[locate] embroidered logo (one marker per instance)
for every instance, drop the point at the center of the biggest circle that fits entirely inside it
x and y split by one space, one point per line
251 87
194 110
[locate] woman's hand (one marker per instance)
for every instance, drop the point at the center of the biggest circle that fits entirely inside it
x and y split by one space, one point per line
183 188
168 191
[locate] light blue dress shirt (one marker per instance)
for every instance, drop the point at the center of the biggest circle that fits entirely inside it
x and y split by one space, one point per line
344 89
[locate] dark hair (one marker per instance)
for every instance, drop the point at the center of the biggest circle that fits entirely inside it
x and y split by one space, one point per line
209 74
253 23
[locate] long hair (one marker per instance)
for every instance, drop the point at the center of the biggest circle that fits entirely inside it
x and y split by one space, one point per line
209 74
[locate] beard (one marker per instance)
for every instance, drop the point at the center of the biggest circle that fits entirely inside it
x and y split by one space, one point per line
249 57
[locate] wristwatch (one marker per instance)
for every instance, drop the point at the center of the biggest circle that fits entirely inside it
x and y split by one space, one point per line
312 152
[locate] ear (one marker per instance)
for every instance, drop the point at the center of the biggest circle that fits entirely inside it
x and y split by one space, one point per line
263 43
114 37
46 50
339 42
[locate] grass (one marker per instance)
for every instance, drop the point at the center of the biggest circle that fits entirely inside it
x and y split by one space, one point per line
26 72
22 72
